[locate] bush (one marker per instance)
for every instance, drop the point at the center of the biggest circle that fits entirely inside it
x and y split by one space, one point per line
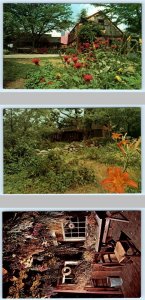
95 69
57 174
70 51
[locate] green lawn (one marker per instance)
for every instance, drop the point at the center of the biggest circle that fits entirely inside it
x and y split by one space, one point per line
16 70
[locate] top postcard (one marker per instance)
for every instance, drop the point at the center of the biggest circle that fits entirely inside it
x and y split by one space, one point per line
72 46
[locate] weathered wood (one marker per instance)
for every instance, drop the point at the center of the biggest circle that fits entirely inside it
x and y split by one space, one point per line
107 291
105 273
113 218
107 223
98 233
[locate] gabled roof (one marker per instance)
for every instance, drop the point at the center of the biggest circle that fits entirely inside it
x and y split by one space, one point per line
97 13
102 13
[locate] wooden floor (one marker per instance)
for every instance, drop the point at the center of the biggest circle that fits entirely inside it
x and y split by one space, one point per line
131 274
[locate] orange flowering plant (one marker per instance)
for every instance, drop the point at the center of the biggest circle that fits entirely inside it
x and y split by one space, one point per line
118 177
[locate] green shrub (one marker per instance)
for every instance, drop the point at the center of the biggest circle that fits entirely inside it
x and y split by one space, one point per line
58 174
107 70
70 51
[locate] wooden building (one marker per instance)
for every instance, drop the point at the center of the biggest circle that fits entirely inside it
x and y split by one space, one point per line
107 29
92 265
75 134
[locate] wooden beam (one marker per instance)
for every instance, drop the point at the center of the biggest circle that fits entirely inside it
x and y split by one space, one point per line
98 291
107 223
105 273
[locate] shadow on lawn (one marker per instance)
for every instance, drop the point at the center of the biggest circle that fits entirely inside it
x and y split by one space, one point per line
16 70
15 73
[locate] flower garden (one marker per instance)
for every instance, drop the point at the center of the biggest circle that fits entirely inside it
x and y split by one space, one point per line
91 166
95 65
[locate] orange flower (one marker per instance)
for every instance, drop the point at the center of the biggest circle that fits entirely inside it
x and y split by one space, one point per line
117 181
116 136
121 144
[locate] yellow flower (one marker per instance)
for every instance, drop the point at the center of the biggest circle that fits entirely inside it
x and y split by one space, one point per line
140 41
58 75
118 78
120 70
129 38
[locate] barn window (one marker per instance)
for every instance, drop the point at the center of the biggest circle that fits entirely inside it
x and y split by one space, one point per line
101 21
75 229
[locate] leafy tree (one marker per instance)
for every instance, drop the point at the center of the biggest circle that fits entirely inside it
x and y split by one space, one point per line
118 119
82 18
23 128
70 117
129 14
88 32
35 19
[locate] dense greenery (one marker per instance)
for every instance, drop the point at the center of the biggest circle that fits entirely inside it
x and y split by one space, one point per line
33 163
129 14
35 19
106 69
88 32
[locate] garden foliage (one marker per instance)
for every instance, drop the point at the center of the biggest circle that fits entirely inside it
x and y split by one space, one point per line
35 163
94 66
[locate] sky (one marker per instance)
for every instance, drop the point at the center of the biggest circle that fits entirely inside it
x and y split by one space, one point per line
76 8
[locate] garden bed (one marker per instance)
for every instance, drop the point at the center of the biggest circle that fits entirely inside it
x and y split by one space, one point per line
97 69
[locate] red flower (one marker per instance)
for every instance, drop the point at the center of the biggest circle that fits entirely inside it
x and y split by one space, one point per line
97 46
36 61
75 59
86 45
66 57
77 65
88 77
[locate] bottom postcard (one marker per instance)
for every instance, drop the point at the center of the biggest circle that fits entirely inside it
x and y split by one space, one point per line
71 254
